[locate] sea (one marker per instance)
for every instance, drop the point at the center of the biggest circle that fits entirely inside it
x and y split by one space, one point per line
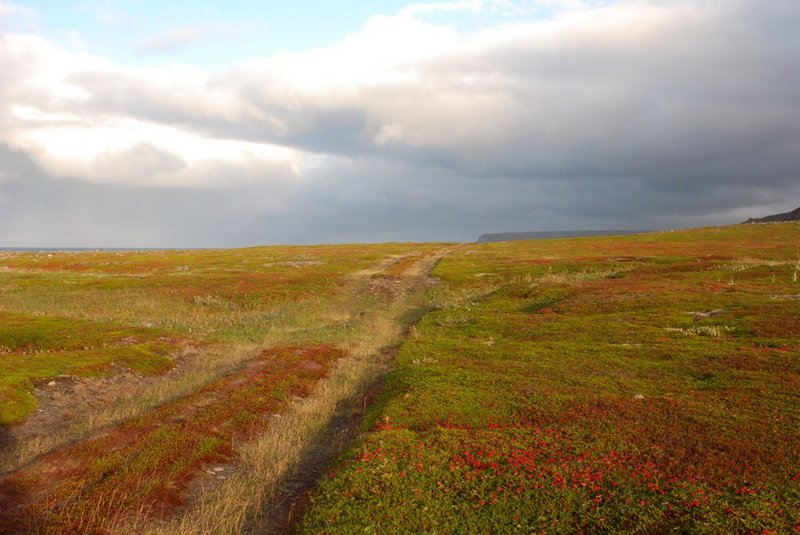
85 249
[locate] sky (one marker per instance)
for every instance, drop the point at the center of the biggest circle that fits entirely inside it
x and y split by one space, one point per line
222 124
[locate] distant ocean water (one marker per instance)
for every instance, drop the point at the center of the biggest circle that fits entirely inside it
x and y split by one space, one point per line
82 249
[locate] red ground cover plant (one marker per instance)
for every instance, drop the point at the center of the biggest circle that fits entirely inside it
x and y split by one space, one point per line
644 384
144 465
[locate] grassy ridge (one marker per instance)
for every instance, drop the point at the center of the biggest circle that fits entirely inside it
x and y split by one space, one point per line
642 383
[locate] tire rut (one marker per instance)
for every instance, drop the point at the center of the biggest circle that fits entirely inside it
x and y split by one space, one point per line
289 505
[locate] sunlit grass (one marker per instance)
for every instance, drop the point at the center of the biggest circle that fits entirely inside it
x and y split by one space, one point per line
142 464
39 348
134 472
76 313
267 461
640 383
210 295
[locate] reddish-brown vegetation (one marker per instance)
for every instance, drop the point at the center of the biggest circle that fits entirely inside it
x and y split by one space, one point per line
146 464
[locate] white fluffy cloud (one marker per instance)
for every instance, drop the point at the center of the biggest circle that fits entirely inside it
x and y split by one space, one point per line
50 110
690 108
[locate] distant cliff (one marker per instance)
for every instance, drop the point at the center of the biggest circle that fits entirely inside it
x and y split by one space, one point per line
552 234
794 215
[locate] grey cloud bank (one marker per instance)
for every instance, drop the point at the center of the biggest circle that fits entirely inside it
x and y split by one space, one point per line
637 115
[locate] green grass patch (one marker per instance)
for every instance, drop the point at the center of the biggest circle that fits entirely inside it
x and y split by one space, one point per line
36 349
213 295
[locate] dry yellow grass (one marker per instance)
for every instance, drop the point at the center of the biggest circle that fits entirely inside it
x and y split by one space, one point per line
248 494
315 318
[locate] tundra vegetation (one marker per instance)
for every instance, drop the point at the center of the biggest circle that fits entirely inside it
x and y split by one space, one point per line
643 383
187 357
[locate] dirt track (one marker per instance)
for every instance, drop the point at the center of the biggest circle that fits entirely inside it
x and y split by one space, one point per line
64 491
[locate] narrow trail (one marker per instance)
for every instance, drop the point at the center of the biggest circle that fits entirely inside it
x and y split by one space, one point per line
269 484
146 463
201 458
288 506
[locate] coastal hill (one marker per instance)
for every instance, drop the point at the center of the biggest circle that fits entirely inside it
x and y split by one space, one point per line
552 234
794 215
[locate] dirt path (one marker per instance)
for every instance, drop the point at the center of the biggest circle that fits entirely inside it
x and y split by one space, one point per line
71 408
68 405
145 464
288 507
174 457
267 486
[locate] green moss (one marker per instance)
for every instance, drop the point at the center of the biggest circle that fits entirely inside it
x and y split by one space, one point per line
16 400
207 445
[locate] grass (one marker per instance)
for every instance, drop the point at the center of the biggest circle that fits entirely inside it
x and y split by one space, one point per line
226 295
39 348
139 470
78 313
632 384
145 462
267 462
199 369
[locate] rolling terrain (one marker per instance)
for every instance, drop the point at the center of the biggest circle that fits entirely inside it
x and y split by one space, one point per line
641 384
165 369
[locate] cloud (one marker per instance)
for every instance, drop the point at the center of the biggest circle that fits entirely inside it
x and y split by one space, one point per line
677 95
40 211
49 108
413 10
178 38
110 13
16 17
144 154
594 114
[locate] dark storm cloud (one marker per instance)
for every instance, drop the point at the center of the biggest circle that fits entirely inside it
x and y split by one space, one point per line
36 210
352 204
694 88
644 115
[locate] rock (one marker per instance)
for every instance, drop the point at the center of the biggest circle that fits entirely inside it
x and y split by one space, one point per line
706 314
794 215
